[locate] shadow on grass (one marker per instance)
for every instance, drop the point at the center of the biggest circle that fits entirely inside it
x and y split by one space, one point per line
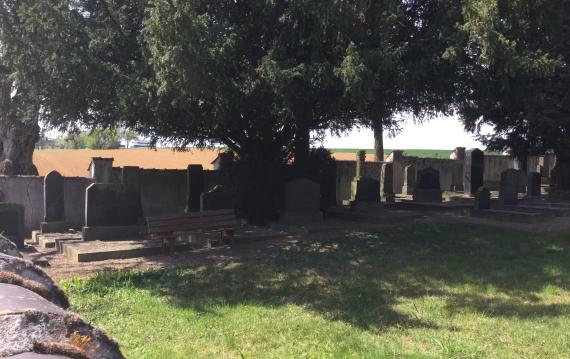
360 278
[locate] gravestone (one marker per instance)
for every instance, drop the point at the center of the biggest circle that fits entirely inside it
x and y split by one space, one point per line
560 178
387 183
219 197
509 186
409 180
483 198
54 209
302 201
428 186
473 171
533 184
12 222
112 205
366 190
195 187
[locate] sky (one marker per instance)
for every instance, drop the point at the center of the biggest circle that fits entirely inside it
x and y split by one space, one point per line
438 134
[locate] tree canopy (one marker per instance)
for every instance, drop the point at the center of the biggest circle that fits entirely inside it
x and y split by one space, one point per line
514 73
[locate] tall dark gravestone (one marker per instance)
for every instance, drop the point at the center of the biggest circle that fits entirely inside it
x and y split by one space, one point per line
112 205
560 178
367 190
473 171
54 203
387 183
54 209
483 198
302 201
195 187
428 186
509 186
533 184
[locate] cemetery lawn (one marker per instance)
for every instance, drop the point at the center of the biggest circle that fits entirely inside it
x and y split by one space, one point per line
416 291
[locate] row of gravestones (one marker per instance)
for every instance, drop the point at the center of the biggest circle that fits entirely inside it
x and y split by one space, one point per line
34 321
424 185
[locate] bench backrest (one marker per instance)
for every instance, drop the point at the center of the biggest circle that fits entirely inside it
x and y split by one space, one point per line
218 219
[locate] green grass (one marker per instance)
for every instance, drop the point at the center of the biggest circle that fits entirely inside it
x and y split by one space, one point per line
429 291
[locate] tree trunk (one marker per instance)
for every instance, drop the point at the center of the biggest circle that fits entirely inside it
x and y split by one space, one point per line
17 144
378 141
302 147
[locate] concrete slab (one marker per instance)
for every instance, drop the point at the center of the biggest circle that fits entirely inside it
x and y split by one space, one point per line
91 251
456 207
48 240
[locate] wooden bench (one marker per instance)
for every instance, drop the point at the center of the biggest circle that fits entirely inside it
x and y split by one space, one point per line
168 228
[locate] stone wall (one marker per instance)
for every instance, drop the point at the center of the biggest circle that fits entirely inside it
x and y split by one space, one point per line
494 166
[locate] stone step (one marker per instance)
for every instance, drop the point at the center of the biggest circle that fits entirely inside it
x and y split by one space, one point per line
91 251
49 240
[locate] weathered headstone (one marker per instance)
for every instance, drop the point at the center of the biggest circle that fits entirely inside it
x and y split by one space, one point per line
54 197
533 184
509 186
387 183
54 203
302 201
561 178
112 205
12 222
409 180
219 197
195 187
366 190
483 198
428 186
473 171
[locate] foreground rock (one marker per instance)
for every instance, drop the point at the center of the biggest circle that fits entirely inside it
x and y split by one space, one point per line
54 333
8 247
23 273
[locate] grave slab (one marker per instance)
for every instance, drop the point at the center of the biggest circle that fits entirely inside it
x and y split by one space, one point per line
93 251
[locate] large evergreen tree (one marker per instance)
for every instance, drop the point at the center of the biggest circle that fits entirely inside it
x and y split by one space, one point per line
514 73
394 61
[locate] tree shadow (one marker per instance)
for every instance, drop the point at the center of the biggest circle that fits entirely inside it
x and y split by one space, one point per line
361 277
